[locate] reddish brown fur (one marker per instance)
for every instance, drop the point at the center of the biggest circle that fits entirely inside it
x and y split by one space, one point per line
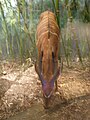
47 45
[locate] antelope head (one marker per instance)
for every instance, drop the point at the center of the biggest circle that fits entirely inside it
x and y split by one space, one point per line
47 86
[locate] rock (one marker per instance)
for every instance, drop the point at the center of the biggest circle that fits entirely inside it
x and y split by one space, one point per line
4 72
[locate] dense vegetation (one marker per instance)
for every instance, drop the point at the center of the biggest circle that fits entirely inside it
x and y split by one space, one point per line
19 18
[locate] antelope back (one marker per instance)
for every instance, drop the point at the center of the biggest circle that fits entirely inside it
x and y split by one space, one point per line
47 43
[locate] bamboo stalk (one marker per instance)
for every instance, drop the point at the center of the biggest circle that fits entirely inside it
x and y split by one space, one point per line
66 54
56 9
57 12
20 37
6 32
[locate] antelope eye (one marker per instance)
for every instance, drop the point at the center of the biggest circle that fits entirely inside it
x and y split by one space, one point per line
53 55
42 53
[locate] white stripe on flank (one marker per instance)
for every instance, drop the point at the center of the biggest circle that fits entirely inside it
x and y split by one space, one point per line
47 32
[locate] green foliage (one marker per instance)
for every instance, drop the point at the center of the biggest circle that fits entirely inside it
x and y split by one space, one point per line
18 21
85 13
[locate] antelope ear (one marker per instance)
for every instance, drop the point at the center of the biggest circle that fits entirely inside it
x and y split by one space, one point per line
39 73
56 75
36 68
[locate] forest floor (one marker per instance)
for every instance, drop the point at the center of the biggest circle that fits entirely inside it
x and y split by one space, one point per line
21 94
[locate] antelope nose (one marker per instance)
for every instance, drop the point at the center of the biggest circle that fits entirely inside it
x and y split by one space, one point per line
48 95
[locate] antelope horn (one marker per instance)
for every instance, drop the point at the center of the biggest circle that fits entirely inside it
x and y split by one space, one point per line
54 66
56 75
54 63
39 68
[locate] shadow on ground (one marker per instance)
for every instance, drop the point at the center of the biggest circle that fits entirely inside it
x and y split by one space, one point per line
74 109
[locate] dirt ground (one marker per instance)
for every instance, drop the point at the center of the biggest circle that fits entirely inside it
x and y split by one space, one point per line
21 94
